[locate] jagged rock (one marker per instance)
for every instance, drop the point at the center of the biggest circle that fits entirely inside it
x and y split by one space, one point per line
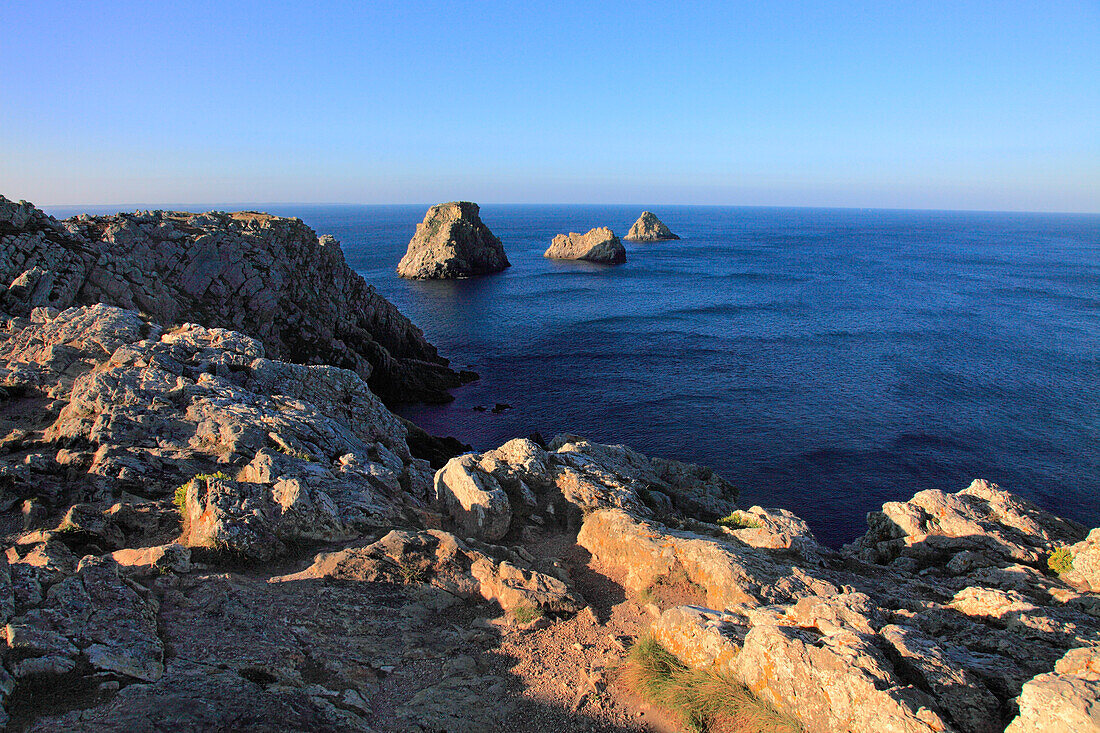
1085 556
93 621
840 681
486 495
474 499
598 245
326 457
443 561
452 242
268 276
932 527
1066 700
194 696
649 228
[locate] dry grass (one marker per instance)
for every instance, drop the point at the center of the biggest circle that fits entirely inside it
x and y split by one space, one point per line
705 700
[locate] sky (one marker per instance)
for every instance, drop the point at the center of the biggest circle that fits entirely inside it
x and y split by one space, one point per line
945 105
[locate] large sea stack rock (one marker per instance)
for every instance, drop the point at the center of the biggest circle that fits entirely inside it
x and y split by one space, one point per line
268 276
649 228
450 243
598 245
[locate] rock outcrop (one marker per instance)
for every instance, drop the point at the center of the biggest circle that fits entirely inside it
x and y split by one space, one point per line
268 276
598 245
649 228
452 242
159 483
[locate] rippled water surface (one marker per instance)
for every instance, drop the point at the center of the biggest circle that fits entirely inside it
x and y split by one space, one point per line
825 361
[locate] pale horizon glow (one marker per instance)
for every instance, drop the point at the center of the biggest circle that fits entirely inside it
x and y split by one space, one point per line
931 105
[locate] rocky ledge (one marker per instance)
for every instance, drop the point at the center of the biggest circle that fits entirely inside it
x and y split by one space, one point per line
452 242
598 245
649 228
269 276
199 535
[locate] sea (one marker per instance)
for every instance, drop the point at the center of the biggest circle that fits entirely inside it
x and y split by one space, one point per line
821 360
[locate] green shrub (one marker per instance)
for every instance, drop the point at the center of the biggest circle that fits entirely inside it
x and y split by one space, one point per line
1061 560
740 520
180 497
703 699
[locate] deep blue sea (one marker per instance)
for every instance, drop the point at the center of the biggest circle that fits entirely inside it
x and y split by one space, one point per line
822 360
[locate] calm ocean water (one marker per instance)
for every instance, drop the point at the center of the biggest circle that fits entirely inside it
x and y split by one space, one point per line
825 361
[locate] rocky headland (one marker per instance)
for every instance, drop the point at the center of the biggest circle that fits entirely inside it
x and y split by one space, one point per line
597 245
203 534
648 228
269 276
452 242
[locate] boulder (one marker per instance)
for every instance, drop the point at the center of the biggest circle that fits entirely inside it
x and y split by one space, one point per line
452 242
649 228
1066 700
598 245
474 499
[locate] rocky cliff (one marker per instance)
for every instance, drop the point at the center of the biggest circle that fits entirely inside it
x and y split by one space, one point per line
199 535
598 245
452 242
271 277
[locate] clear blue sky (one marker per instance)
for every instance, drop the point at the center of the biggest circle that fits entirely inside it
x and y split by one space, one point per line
869 104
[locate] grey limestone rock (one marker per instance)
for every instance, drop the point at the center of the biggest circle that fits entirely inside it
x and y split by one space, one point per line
452 242
268 276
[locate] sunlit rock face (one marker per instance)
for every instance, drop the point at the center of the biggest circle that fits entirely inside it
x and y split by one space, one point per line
452 242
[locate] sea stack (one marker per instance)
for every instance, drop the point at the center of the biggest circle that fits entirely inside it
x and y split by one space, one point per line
649 228
598 245
452 242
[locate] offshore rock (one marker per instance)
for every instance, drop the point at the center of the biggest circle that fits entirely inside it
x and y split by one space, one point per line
598 245
649 228
452 242
270 277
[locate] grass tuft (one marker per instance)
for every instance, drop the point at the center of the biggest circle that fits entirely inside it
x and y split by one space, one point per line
740 520
526 614
1061 560
180 497
705 700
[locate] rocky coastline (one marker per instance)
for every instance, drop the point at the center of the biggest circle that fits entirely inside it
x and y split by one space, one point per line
213 520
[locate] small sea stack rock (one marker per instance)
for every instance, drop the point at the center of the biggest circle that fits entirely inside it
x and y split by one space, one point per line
598 245
649 228
452 242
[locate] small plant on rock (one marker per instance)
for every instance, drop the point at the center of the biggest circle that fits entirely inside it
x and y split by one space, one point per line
526 614
740 520
1061 560
180 496
412 570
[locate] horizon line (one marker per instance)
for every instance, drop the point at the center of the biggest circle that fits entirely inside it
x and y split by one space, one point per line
161 206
